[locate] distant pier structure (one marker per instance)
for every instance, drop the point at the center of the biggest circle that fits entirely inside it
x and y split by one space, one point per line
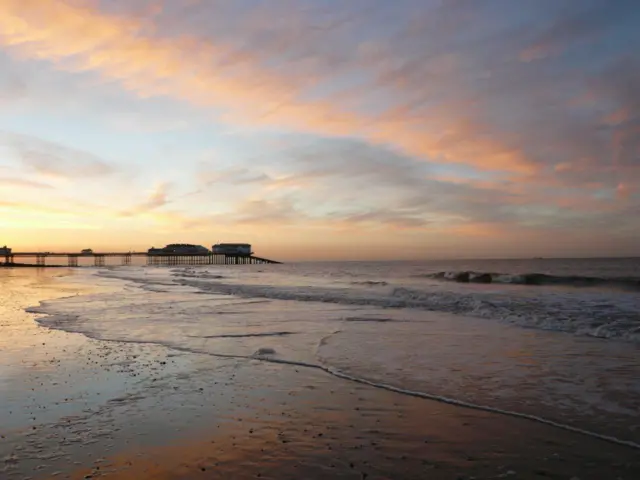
173 254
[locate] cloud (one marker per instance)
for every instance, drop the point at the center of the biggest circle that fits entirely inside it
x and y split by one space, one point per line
38 209
232 176
133 122
280 211
447 100
343 182
235 81
349 174
577 22
23 183
382 219
158 198
52 159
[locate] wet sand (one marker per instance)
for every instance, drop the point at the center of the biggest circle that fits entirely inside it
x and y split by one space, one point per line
73 407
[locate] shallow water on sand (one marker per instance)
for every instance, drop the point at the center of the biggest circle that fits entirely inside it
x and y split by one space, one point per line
576 381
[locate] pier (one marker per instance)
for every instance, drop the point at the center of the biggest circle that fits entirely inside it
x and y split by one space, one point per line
99 259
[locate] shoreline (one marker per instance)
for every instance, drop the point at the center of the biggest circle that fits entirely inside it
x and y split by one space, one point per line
122 410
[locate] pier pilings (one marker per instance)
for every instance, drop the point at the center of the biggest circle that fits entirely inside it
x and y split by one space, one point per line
211 259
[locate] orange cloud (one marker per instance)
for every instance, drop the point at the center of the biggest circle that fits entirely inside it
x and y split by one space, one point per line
158 198
81 38
535 52
475 229
617 117
624 190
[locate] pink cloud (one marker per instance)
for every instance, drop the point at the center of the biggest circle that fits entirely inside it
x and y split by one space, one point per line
233 81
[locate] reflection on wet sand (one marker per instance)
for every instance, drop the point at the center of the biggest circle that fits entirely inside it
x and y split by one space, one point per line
311 426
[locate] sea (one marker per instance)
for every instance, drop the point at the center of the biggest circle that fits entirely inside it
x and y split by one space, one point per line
555 341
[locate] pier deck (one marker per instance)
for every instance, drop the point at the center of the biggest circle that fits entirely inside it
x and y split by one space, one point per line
99 258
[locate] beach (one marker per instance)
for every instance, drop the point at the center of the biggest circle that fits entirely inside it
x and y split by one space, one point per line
306 240
130 386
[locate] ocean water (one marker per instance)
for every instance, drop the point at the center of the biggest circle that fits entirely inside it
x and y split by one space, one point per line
556 341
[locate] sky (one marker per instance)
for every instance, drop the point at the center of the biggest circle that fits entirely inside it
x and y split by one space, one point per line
322 129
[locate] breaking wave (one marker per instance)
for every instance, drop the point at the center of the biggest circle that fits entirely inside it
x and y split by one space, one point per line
627 283
589 315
